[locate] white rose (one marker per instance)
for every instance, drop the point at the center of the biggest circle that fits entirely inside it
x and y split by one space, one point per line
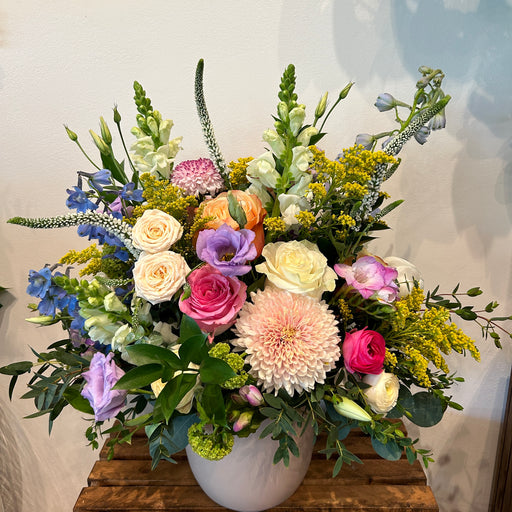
298 267
159 276
156 231
383 393
407 273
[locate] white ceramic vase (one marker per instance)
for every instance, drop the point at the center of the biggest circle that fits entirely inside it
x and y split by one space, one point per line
246 480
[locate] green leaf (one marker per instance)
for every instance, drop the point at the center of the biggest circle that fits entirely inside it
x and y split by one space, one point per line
17 368
427 409
188 328
12 384
139 420
140 376
173 392
215 371
272 400
155 354
473 292
389 450
236 211
194 349
466 313
77 401
213 403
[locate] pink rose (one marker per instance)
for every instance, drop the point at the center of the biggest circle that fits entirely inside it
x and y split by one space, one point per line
364 351
214 300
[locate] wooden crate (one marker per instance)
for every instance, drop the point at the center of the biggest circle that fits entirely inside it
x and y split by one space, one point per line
127 484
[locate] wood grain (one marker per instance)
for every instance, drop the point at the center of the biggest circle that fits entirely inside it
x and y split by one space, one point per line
127 484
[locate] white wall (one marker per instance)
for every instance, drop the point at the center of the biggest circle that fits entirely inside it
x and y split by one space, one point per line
70 62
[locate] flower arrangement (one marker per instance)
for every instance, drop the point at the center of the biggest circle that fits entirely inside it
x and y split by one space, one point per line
220 296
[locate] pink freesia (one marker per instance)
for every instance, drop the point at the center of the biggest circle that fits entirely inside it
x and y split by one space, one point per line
214 300
370 277
364 351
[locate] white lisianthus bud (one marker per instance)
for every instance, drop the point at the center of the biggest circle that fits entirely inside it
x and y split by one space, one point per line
297 116
383 393
350 409
322 105
276 143
306 134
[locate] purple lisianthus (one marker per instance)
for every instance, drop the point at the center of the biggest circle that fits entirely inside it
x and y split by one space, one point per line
101 377
226 249
370 278
78 200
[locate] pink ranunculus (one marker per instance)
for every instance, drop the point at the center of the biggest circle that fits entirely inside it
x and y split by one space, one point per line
214 300
370 277
364 351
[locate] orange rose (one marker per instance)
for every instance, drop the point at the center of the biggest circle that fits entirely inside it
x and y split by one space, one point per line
254 212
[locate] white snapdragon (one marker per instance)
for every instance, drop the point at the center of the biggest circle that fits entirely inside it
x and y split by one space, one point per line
262 170
276 143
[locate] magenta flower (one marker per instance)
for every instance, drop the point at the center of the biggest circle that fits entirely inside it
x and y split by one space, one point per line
227 250
197 177
364 351
214 300
370 278
101 377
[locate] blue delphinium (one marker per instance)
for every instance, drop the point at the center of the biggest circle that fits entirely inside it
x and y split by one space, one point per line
39 282
100 178
130 193
78 200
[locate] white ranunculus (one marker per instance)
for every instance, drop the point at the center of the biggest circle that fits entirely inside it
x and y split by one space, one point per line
156 231
298 267
383 393
407 273
159 276
263 170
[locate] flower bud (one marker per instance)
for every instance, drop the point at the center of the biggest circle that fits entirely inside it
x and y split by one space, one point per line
344 92
252 395
425 70
350 409
385 102
153 125
297 116
117 116
322 105
72 135
282 110
100 143
243 421
42 320
366 140
422 134
238 399
105 132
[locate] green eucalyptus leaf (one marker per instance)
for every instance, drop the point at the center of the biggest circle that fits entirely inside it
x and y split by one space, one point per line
17 368
388 451
427 409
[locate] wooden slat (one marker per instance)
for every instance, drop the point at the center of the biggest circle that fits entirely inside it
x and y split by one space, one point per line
138 449
361 498
137 472
127 484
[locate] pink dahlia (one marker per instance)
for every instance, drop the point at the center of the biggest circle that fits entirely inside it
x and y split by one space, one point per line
197 177
291 339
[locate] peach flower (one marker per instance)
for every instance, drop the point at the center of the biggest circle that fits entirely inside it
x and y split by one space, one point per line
254 212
